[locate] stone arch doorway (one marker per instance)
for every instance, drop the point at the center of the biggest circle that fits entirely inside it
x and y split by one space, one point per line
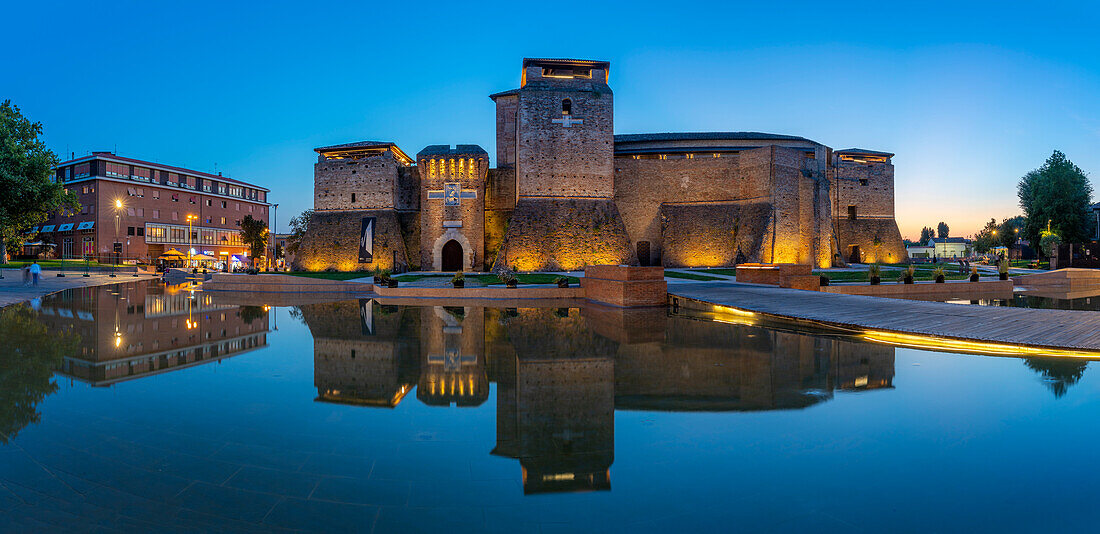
451 256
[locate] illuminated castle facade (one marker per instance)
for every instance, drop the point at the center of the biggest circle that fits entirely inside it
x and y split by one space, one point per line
567 192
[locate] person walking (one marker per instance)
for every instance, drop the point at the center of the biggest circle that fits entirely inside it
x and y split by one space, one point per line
36 272
26 270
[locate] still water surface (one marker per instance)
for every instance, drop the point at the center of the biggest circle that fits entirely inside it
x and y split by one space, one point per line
139 407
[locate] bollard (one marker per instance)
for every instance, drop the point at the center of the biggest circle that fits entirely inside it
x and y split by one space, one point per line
86 267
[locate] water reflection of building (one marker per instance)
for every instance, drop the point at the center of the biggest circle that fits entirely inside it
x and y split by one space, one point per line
555 399
452 356
562 372
133 330
363 353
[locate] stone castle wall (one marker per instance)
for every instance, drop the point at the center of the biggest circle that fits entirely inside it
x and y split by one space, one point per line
438 221
332 242
558 161
863 232
709 234
373 181
869 187
564 234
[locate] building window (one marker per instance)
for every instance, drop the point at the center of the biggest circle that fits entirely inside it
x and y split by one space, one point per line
82 170
353 198
862 181
223 204
851 213
223 220
117 170
209 202
156 194
129 230
140 231
156 214
566 107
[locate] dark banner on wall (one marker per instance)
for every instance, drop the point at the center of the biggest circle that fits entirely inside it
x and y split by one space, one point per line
366 240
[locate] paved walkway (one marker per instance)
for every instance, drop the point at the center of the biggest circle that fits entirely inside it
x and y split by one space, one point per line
1058 329
12 289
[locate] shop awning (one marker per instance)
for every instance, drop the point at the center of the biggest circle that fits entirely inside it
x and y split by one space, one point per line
65 227
33 230
47 228
86 225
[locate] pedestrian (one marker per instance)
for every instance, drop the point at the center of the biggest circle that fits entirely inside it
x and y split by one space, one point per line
36 272
26 270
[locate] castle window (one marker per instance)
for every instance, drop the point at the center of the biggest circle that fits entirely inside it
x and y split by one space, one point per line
851 213
566 107
353 198
862 181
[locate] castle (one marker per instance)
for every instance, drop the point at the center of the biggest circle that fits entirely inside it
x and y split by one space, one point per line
567 192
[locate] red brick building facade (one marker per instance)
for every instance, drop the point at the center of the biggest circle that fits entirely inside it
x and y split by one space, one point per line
138 210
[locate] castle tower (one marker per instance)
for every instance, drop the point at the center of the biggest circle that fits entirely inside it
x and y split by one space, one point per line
452 200
556 135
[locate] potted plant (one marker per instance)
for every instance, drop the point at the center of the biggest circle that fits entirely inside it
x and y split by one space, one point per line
391 282
458 280
562 282
907 275
1002 270
509 279
873 272
937 273
973 274
824 280
377 276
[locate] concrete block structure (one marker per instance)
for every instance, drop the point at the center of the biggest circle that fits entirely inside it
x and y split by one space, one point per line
566 192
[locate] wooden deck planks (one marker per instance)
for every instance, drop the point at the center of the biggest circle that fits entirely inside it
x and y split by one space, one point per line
1064 329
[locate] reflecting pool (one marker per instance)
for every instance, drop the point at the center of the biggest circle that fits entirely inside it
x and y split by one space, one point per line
141 407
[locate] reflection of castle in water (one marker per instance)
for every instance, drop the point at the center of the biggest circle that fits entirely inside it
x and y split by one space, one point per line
132 330
561 373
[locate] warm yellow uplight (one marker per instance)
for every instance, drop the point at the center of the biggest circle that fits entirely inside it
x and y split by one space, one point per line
972 347
118 204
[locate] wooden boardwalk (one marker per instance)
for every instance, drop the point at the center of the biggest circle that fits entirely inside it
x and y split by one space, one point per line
1049 329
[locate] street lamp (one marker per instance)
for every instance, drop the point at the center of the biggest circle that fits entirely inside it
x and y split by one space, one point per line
117 245
190 218
274 239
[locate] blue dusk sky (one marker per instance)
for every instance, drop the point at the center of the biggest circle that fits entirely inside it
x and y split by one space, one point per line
969 96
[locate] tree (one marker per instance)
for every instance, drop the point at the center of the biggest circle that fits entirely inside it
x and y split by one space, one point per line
1057 194
1048 242
1059 374
942 230
254 236
1010 230
298 227
926 233
28 193
987 239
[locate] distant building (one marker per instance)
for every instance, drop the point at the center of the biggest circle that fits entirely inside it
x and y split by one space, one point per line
950 247
918 251
150 203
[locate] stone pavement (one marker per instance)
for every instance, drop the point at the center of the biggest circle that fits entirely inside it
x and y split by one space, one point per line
12 289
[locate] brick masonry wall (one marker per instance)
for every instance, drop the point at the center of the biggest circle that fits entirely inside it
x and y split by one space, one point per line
332 242
470 211
373 180
408 188
564 234
862 232
876 199
553 160
710 234
506 129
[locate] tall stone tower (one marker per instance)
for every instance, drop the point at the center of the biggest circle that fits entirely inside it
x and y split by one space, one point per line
555 136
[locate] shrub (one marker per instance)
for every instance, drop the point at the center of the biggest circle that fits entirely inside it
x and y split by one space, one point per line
458 277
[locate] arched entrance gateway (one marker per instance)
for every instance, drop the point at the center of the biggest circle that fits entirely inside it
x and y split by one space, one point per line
452 256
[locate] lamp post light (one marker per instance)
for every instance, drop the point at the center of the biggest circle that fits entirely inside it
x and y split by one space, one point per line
190 219
117 245
274 239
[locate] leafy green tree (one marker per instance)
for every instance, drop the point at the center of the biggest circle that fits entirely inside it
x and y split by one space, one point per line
298 227
1048 242
986 240
254 236
28 192
32 352
926 233
1057 194
942 230
1010 230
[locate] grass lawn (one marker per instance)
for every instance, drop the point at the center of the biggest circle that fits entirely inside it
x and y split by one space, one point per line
326 275
691 276
54 264
723 271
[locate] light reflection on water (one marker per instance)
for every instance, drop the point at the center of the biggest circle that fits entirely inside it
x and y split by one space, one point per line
175 409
